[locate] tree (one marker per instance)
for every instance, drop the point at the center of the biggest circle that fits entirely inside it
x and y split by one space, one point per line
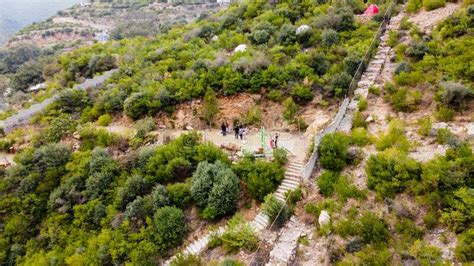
29 74
287 34
290 110
215 189
210 107
373 229
180 194
330 38
333 151
170 227
135 186
326 182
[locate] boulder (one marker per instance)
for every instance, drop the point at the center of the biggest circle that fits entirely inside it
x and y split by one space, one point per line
436 126
302 29
324 218
240 48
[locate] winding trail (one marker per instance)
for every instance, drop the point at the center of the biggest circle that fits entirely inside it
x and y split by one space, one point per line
23 116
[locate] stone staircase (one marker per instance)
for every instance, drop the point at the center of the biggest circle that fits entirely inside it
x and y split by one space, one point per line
284 251
371 74
291 181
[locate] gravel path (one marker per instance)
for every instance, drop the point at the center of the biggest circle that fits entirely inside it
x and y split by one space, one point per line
23 116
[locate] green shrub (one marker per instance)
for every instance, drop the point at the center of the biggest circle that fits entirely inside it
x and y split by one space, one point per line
180 194
464 250
345 189
239 235
333 151
433 4
290 110
261 177
392 38
170 227
455 95
395 137
403 67
389 172
414 6
425 254
302 94
358 120
215 189
375 90
186 260
443 135
300 123
315 209
144 126
445 114
253 116
280 156
424 126
326 182
104 120
276 211
210 106
359 136
362 104
275 95
373 229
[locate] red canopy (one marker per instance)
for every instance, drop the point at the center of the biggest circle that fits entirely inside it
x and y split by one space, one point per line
371 10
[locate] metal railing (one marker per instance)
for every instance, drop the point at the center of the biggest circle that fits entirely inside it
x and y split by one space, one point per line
308 168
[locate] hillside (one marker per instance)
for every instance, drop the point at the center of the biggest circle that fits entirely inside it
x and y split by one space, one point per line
355 144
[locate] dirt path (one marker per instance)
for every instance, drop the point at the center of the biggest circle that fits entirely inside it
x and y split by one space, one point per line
426 20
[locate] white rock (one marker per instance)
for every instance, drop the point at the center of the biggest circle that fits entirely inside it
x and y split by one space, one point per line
323 218
189 128
240 48
436 126
369 119
470 130
215 38
302 29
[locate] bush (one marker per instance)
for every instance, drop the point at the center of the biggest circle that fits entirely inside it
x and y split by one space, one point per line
180 194
362 104
290 110
358 120
392 38
359 137
445 114
170 227
104 120
276 211
144 126
326 182
351 64
261 177
424 124
414 6
275 95
239 235
403 67
186 260
373 229
253 116
464 250
443 136
433 4
345 190
280 156
215 189
333 151
302 94
395 137
330 37
389 172
455 95
135 186
425 254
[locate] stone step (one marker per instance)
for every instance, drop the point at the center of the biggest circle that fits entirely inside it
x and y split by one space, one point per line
281 190
290 182
294 167
280 196
289 186
293 178
296 175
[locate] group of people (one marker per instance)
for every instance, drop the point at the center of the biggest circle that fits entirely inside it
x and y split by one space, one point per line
239 130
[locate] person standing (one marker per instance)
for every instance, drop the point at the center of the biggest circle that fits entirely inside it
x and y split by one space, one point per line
276 140
223 129
236 131
241 132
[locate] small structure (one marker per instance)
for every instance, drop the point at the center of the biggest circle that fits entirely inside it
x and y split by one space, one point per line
37 87
85 4
371 10
240 48
302 29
